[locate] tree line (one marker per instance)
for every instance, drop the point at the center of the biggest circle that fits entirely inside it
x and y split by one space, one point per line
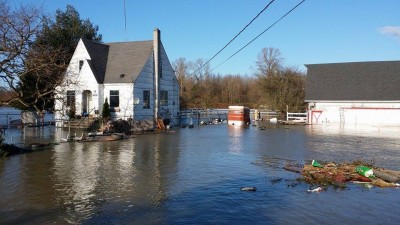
273 86
35 50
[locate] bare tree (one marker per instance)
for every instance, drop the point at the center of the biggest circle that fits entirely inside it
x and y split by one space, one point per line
275 86
269 62
35 51
180 67
18 30
44 71
181 70
286 88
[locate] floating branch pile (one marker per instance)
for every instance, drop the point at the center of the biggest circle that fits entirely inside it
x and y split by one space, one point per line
339 174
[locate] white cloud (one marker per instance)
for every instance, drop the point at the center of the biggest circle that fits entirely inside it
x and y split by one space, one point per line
390 30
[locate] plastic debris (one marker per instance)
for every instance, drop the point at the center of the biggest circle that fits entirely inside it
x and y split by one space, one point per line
248 189
316 164
365 171
318 189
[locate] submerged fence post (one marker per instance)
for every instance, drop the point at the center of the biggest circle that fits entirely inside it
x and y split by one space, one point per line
287 112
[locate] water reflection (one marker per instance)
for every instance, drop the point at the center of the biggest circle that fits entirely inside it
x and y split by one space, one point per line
76 177
27 135
379 145
236 140
126 175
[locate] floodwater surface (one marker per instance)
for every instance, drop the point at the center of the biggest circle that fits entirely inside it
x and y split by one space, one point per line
194 176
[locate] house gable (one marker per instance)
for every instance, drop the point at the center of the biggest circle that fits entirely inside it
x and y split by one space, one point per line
80 71
355 81
98 58
167 83
144 82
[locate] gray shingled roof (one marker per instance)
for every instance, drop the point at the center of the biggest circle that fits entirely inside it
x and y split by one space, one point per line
111 60
355 81
98 54
127 58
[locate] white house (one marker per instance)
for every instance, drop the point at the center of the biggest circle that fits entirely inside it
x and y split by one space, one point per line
354 93
136 78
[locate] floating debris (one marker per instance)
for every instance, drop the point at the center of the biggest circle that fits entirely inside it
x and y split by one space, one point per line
248 189
316 164
337 175
318 189
365 171
297 168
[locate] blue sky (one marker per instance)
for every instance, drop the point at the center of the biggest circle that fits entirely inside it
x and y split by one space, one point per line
318 31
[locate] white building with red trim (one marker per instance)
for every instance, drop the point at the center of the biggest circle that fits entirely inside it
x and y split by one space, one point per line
354 93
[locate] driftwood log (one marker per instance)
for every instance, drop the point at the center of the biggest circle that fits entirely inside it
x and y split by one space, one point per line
386 176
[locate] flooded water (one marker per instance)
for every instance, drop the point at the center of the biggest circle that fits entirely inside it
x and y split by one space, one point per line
194 176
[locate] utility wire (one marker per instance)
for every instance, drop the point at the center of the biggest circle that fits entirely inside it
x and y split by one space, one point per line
258 35
235 36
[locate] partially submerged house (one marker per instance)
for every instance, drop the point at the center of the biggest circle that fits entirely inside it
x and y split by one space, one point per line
354 93
136 78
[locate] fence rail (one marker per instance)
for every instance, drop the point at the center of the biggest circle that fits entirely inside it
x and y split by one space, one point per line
6 119
195 115
297 116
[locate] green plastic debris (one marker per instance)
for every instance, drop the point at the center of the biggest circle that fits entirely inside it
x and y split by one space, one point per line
365 171
316 164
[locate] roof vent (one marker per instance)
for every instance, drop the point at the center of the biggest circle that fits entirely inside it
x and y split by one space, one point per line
122 76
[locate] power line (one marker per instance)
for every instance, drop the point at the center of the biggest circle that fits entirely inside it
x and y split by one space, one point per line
235 36
259 35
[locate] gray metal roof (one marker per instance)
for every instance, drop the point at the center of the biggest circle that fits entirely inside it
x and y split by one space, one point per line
353 81
111 60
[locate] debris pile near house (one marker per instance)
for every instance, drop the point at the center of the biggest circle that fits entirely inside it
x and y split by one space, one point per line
118 126
139 127
339 174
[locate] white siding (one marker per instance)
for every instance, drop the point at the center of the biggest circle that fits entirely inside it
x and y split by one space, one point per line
167 82
78 81
373 113
125 109
145 82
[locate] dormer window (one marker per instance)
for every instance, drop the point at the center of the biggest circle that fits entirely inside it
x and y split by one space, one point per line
80 65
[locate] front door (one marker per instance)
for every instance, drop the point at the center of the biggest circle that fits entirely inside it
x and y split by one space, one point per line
86 102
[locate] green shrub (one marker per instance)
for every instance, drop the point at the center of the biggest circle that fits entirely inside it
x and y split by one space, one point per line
106 114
